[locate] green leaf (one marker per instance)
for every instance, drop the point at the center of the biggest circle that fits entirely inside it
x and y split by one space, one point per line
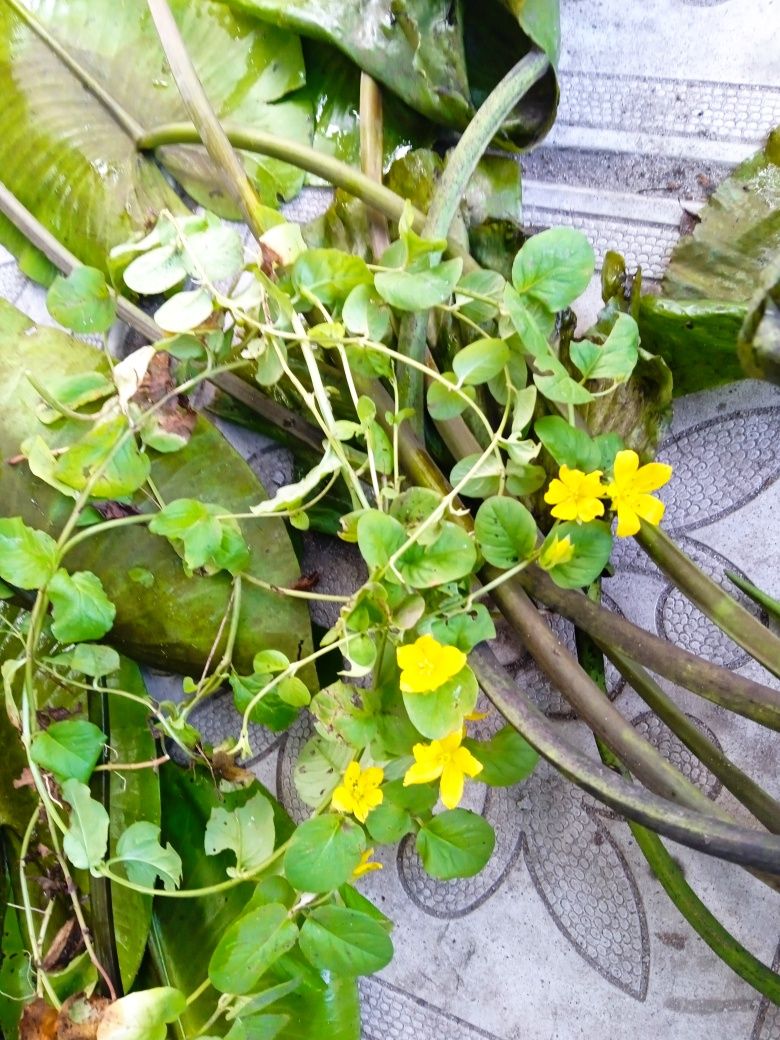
343 710
463 630
562 389
248 831
482 283
74 392
388 823
480 361
524 479
208 537
365 314
440 712
185 311
323 852
507 758
444 403
568 445
270 710
82 301
143 1015
80 608
484 478
416 799
28 558
505 532
16 983
419 290
346 942
156 271
450 557
379 536
55 124
249 947
105 447
144 858
69 749
90 659
319 768
86 838
554 267
456 843
615 358
329 274
592 547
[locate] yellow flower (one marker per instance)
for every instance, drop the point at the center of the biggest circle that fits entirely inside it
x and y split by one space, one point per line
426 664
575 495
446 759
560 550
366 865
629 491
359 791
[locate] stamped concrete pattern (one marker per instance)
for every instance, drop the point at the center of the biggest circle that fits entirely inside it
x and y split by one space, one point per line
565 935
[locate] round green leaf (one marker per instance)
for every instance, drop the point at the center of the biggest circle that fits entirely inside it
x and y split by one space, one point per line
444 403
554 266
82 301
319 768
480 361
440 712
329 274
452 556
346 942
505 531
507 758
80 608
156 271
592 546
379 535
567 445
142 1015
388 823
185 311
249 947
456 843
323 852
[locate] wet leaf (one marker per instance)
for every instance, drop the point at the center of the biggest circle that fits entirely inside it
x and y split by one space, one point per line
55 124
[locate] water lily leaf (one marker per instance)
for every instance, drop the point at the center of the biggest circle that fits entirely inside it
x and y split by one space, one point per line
171 622
57 129
425 52
713 275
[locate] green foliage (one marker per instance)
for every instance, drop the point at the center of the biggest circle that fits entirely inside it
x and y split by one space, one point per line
69 749
86 838
249 947
143 1015
28 558
554 267
507 758
441 711
456 843
83 301
247 830
80 608
505 531
329 275
592 547
205 534
144 858
323 852
344 941
419 290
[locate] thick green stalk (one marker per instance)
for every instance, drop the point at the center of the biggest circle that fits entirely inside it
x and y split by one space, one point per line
744 788
770 605
668 872
203 116
372 155
460 166
714 837
737 622
731 690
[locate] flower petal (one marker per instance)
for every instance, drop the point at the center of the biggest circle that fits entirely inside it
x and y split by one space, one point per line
466 762
423 773
451 787
589 509
565 510
650 509
342 800
625 466
372 777
628 521
556 492
652 476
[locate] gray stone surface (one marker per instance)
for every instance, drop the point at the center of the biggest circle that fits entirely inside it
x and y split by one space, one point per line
565 935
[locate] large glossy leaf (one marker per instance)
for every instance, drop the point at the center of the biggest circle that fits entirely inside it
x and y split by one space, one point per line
318 1007
69 159
440 58
714 273
171 622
